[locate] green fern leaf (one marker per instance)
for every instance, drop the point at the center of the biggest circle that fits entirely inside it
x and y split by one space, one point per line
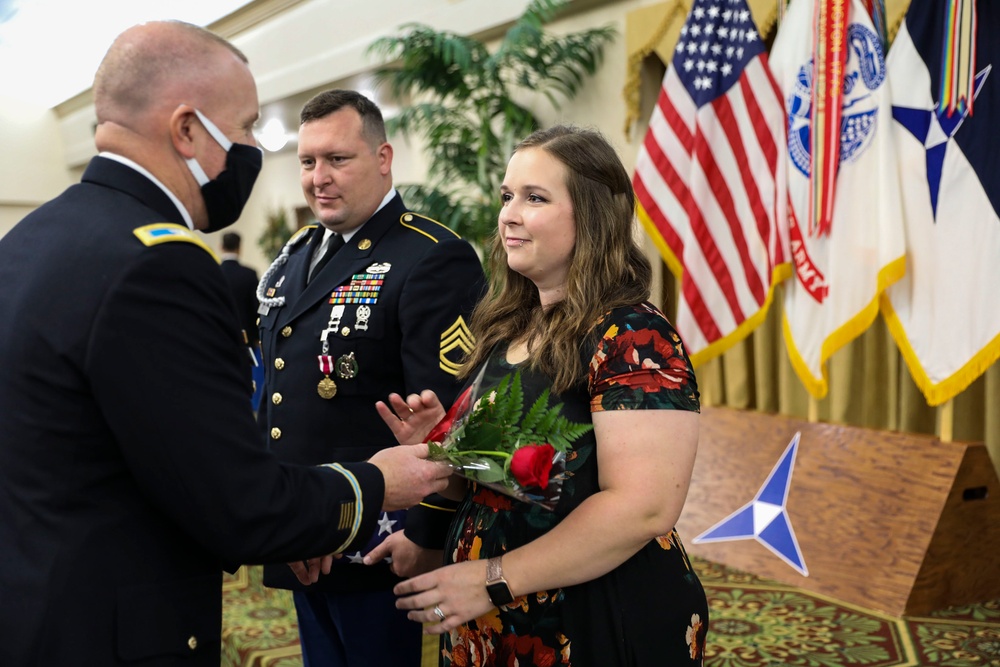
536 412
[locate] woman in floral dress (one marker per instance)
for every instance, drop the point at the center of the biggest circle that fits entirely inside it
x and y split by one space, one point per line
603 579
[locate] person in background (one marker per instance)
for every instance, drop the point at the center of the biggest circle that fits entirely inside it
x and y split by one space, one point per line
243 285
131 469
372 300
603 580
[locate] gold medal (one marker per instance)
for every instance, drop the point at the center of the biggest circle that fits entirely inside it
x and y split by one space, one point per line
326 388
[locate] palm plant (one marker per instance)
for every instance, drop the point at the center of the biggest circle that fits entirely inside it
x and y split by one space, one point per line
465 107
276 233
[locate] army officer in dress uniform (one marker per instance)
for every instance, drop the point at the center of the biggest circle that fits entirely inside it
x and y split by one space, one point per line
131 469
384 310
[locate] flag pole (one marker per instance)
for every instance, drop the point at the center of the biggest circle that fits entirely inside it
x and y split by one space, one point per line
946 421
813 415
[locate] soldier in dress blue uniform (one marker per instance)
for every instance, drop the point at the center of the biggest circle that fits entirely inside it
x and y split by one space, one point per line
384 310
131 469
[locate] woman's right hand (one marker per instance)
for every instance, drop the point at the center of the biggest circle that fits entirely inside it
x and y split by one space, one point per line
412 419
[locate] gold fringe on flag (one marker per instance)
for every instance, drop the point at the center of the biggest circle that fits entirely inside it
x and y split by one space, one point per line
632 91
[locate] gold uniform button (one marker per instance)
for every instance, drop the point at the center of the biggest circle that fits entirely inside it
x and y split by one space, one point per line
286 332
279 363
276 398
345 331
276 433
192 642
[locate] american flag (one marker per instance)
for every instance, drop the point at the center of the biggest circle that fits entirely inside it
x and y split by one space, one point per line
710 177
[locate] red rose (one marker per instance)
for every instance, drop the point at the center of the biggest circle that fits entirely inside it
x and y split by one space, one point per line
459 407
532 464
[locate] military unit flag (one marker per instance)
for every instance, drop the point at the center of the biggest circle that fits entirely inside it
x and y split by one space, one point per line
841 270
945 313
709 177
746 177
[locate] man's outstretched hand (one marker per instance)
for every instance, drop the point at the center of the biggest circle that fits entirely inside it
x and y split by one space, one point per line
409 476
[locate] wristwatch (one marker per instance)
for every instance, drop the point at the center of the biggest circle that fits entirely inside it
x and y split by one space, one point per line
496 585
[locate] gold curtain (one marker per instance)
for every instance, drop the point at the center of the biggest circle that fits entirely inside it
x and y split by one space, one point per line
869 383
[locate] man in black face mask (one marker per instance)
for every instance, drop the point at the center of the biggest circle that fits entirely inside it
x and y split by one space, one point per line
131 468
226 195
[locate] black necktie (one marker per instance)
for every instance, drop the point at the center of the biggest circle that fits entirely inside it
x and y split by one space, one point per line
335 244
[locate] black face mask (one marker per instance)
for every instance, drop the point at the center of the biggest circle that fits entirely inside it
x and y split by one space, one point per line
227 194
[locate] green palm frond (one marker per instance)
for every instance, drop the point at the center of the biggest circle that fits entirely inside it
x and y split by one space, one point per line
464 108
467 216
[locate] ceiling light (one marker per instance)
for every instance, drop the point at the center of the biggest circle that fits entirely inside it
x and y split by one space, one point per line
273 136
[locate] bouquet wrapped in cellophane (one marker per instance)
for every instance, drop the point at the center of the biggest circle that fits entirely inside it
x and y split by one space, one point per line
487 437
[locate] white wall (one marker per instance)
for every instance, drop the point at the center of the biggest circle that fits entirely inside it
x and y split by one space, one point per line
33 168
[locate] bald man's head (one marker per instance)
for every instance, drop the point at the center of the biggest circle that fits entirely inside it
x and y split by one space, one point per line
156 66
176 99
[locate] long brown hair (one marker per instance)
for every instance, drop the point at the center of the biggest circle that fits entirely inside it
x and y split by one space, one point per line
608 268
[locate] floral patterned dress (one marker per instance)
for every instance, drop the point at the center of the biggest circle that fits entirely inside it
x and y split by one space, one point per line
650 611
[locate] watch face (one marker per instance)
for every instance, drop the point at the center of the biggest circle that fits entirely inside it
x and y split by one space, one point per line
499 593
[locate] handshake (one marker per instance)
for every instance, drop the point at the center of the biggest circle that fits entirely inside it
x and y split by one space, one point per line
409 476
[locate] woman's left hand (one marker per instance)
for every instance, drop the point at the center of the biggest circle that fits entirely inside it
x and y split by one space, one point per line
410 420
457 590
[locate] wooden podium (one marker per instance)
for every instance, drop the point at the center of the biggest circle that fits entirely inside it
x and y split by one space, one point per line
895 522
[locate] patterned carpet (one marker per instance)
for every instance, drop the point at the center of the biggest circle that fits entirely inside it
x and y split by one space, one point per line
754 622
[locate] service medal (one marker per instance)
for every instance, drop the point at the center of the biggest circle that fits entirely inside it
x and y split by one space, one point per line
347 367
326 388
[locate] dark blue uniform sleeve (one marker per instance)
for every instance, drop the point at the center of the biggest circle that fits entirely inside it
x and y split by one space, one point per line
175 395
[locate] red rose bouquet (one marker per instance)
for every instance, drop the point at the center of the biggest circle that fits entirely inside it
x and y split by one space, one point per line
490 439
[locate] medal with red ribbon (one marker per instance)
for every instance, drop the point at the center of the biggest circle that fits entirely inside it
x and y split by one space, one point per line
326 388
